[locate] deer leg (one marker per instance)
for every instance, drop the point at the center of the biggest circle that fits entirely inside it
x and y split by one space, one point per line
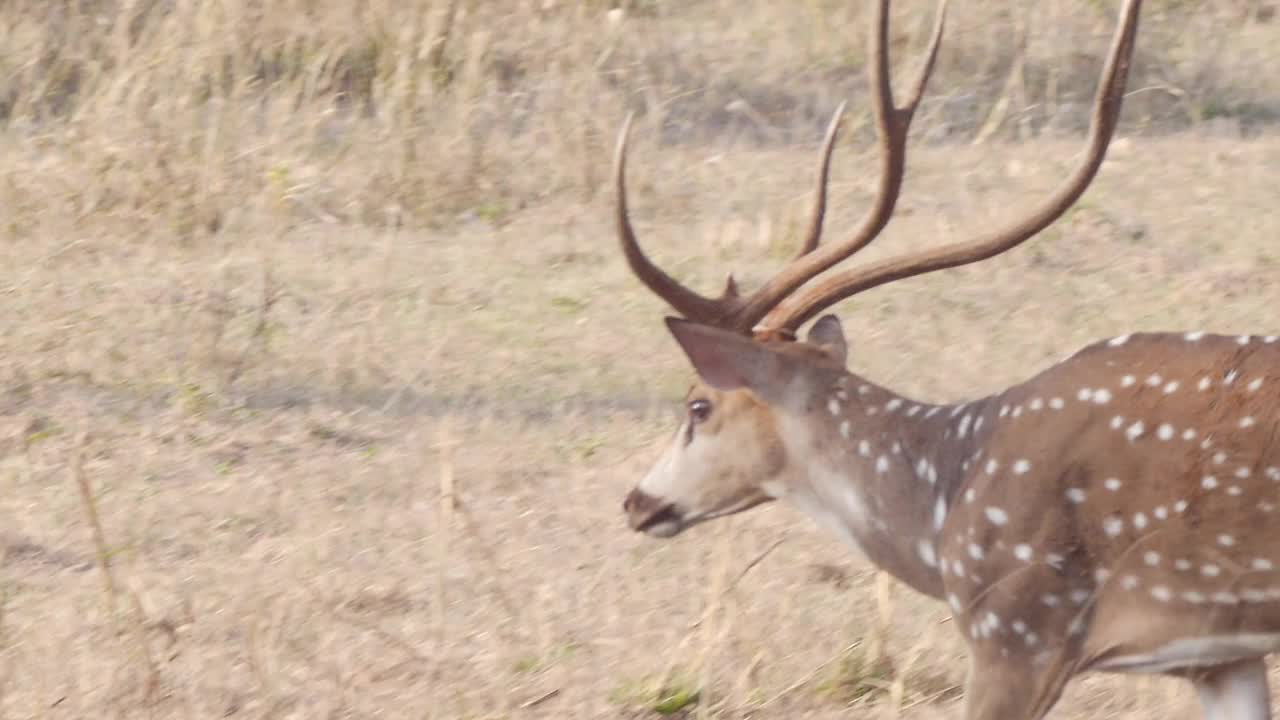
1010 691
1237 691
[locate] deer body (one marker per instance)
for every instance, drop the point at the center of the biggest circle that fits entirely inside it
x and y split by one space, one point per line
1108 514
1112 513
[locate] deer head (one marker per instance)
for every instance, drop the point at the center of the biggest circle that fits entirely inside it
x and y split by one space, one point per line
730 454
750 429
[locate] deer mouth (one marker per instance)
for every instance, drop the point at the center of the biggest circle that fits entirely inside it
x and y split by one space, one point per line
651 515
656 518
666 522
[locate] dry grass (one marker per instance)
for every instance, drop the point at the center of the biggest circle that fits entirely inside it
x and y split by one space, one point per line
320 386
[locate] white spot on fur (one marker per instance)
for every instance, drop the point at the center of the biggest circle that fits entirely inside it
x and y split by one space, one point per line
1134 431
996 515
1022 552
928 556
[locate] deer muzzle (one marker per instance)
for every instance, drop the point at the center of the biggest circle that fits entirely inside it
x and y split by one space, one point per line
651 515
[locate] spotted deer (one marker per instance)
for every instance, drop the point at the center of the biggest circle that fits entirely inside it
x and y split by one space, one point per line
1109 514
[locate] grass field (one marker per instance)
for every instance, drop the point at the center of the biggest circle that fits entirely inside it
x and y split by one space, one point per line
323 380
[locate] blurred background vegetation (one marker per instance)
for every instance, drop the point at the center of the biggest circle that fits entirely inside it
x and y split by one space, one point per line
195 113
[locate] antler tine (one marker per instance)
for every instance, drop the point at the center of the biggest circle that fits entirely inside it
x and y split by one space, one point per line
892 125
926 67
1106 113
814 233
688 303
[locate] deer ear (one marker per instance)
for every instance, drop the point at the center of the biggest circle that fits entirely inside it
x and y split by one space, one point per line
827 334
728 361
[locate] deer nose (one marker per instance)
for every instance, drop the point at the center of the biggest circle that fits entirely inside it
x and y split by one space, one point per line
643 510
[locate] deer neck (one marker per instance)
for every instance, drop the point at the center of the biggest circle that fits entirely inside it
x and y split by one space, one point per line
883 471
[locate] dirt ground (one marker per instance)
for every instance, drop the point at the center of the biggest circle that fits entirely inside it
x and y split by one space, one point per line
322 379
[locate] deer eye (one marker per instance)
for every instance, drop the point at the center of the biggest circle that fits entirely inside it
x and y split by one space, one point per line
699 409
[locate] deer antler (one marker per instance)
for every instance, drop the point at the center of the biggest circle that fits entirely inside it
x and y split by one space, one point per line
733 311
1106 112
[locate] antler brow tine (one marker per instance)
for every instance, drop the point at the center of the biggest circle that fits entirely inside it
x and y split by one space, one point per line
1106 112
688 303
